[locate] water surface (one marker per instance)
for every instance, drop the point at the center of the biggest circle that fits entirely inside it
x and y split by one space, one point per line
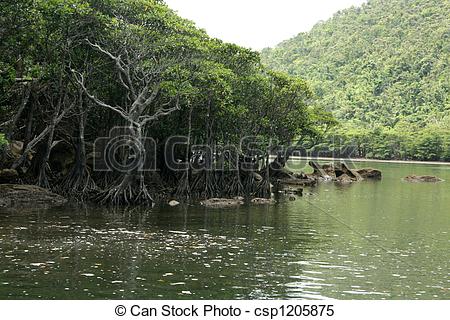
372 240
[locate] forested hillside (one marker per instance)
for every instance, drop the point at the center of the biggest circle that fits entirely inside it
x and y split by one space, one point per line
384 71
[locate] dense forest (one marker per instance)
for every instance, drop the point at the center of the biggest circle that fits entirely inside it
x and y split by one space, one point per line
73 70
383 69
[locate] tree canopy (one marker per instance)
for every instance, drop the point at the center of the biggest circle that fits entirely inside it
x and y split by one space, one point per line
71 70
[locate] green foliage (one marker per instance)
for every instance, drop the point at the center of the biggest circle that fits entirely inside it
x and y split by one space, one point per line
385 64
3 140
224 87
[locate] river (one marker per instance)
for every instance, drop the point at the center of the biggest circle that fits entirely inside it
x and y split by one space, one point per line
371 240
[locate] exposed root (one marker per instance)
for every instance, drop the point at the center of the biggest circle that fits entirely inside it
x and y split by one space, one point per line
128 192
183 190
43 179
211 190
78 184
250 186
235 187
197 182
204 185
264 190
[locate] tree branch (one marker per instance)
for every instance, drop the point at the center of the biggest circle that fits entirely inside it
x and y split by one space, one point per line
125 71
159 113
79 78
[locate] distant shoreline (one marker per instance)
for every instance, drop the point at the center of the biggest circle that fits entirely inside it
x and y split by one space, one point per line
296 158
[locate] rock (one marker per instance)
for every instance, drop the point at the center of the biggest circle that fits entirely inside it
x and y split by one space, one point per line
301 176
219 203
173 203
8 175
296 182
329 169
27 196
353 174
292 198
281 173
257 176
16 147
318 170
326 178
262 201
414 178
344 179
295 191
370 173
239 198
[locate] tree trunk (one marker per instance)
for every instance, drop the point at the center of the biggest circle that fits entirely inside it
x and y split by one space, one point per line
43 166
130 187
79 183
13 124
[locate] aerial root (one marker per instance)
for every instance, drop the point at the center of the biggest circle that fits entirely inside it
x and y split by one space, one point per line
126 193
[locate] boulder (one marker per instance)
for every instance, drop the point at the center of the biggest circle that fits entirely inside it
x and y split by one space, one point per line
329 169
262 201
318 170
344 179
414 178
257 176
173 203
8 175
370 173
27 196
219 203
345 169
16 148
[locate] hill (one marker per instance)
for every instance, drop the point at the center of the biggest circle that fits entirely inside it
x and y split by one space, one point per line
384 70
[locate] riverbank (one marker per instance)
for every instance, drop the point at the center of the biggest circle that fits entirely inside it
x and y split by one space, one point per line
294 158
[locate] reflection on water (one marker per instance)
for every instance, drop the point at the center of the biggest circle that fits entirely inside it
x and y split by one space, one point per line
371 240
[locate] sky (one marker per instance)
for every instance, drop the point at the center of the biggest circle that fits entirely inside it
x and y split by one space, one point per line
258 24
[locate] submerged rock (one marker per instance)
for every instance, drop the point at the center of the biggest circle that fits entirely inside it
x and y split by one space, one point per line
219 203
28 196
414 178
262 201
370 173
282 183
294 190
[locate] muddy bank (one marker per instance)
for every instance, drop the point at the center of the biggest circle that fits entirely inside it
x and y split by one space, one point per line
28 197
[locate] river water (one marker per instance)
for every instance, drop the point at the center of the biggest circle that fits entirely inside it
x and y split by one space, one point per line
371 240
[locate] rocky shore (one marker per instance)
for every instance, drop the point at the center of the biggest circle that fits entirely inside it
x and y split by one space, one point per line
28 197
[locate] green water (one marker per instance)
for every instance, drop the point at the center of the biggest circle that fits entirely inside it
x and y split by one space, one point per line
371 240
